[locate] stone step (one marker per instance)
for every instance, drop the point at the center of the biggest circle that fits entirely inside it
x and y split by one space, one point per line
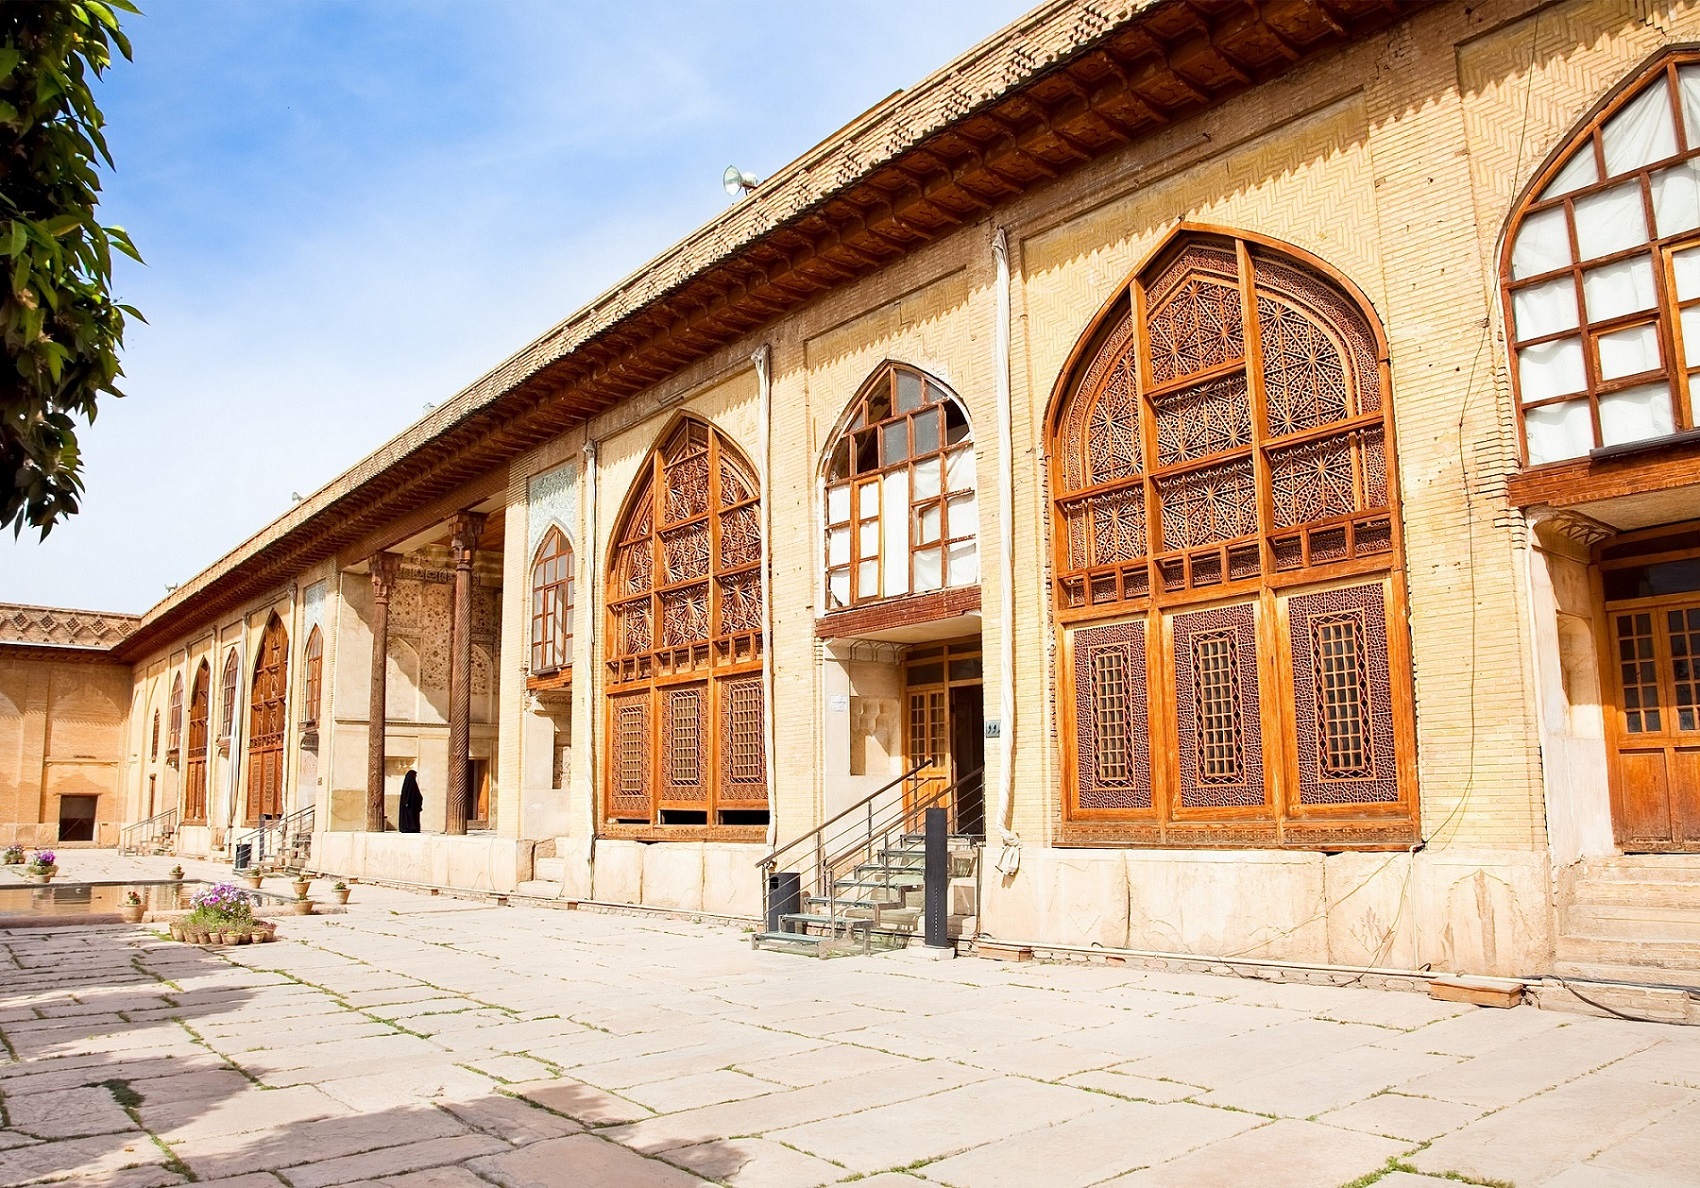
1631 922
1635 868
539 889
551 869
1610 971
1657 961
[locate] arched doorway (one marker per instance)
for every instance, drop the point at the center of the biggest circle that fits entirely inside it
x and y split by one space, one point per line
195 764
1228 571
686 706
268 718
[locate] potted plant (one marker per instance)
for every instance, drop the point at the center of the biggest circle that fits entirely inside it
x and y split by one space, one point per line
13 855
252 877
302 905
176 872
176 930
259 932
42 867
132 908
339 891
301 883
220 912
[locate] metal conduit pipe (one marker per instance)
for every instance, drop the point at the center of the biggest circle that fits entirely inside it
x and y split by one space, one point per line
763 360
594 622
1009 861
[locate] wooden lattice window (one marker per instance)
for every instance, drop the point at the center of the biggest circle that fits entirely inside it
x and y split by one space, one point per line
195 766
1220 461
268 715
901 516
153 747
684 597
313 668
1601 273
552 604
228 694
175 728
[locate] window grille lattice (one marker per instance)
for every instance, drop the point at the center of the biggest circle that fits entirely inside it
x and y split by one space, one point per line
1109 714
1683 627
1337 645
1216 698
684 738
1638 674
1343 691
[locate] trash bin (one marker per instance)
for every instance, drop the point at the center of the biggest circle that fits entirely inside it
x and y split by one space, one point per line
244 855
784 897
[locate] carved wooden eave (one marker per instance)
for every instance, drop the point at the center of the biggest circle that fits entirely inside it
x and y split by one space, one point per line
64 629
1063 86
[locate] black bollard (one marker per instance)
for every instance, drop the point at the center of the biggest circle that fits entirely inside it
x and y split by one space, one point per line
936 880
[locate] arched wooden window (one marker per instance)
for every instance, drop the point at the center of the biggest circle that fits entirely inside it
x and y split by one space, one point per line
195 766
313 665
229 693
268 716
175 728
685 698
1235 661
153 749
900 511
1601 273
552 604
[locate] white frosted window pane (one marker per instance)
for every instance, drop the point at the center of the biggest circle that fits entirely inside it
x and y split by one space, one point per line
1551 369
964 516
1543 244
1610 221
896 517
869 499
1613 290
1676 198
1558 431
838 586
1641 133
1691 335
1635 414
926 478
838 546
959 474
837 504
1686 266
1577 172
868 579
869 534
1545 308
1629 352
928 572
927 520
1688 86
964 564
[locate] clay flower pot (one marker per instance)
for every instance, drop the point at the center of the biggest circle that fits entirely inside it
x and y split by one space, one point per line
235 936
176 930
340 896
303 906
258 935
301 886
132 912
253 880
41 876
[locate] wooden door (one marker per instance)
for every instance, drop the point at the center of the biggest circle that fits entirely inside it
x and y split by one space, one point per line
943 694
268 715
195 765
1656 687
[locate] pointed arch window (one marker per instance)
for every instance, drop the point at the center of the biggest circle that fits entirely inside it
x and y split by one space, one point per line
901 516
153 748
1222 488
1601 274
195 765
175 721
268 711
552 604
686 702
313 668
228 694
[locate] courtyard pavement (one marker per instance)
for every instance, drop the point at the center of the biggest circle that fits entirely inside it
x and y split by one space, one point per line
430 1042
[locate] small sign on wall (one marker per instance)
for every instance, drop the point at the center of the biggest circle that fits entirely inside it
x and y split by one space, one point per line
839 703
994 728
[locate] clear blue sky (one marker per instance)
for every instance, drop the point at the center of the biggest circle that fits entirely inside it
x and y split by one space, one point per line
349 210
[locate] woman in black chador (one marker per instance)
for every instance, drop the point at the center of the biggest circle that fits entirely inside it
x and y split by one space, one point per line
412 803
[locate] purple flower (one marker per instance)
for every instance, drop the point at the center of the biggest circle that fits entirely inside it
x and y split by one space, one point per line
45 858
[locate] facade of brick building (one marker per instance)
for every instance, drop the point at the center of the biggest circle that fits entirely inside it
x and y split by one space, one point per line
1129 417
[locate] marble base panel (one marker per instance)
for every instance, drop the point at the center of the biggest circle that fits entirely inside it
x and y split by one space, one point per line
470 863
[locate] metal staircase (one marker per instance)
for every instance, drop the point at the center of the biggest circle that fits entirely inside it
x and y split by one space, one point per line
156 835
854 883
285 843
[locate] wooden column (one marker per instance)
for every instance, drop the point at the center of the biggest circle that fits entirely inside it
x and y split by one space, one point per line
384 567
464 545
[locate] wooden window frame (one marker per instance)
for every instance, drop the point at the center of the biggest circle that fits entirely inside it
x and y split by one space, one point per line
230 692
199 754
842 470
174 723
312 667
268 723
642 669
1357 553
553 580
1586 136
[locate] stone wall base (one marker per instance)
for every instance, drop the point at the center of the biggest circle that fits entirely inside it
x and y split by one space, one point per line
471 863
717 877
1474 911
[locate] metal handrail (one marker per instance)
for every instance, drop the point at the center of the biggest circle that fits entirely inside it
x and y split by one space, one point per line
291 825
854 836
132 837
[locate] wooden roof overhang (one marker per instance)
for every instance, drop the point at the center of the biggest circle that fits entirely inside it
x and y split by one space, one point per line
1061 87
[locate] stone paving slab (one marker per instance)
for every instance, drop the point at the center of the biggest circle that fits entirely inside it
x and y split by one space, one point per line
432 1043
